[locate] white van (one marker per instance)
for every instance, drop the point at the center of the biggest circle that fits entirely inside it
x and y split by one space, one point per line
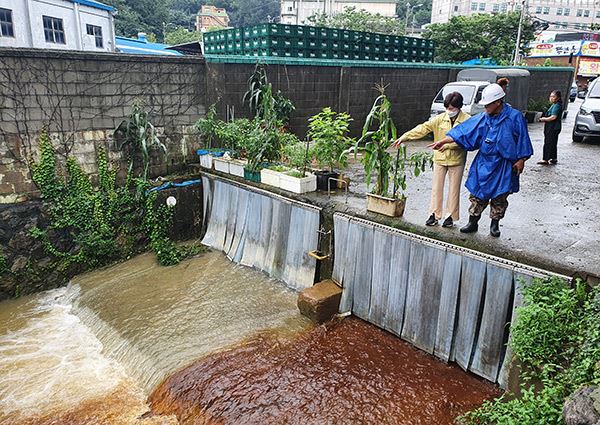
471 93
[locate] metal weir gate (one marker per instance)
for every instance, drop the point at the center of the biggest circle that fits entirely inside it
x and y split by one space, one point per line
452 302
449 301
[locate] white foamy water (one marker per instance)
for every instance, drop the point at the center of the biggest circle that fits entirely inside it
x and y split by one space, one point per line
49 359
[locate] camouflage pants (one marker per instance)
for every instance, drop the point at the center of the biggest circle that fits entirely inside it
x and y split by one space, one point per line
498 206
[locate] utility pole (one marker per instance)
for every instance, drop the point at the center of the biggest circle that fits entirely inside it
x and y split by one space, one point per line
523 8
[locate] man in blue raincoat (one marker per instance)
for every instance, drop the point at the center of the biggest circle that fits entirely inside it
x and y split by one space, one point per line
500 135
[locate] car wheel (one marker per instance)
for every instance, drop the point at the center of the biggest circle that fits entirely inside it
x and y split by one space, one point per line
577 139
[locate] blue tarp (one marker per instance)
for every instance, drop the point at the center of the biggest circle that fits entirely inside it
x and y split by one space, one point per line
169 185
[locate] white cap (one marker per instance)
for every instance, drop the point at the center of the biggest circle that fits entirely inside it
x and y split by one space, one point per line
491 93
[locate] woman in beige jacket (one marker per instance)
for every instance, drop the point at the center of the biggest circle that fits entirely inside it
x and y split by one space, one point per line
449 161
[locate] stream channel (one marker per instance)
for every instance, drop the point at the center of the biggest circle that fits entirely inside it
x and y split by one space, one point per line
209 342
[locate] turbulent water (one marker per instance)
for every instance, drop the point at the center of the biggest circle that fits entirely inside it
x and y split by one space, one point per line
115 333
211 342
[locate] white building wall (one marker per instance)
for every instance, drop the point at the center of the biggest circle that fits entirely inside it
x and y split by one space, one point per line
29 27
297 12
547 10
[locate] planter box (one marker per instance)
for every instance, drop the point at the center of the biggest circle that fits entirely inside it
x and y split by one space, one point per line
532 116
270 177
323 180
298 185
386 206
206 161
253 176
236 167
221 165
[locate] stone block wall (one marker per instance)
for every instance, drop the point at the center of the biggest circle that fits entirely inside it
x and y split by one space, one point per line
82 97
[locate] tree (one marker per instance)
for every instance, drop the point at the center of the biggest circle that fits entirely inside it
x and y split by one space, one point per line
468 37
359 20
420 15
181 35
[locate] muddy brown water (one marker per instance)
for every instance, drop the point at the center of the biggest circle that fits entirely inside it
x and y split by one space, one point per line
348 372
229 346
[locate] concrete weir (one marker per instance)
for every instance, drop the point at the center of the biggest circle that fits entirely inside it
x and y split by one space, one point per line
449 301
259 229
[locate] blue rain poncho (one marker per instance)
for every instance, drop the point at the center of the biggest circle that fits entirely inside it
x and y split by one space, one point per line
502 140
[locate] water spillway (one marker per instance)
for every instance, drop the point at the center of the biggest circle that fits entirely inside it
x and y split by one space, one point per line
449 301
259 229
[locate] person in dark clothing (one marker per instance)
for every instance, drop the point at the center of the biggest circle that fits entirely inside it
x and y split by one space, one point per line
552 126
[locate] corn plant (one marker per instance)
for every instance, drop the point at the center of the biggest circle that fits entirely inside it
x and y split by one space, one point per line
138 135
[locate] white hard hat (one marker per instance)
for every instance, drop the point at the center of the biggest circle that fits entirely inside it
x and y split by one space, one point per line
491 93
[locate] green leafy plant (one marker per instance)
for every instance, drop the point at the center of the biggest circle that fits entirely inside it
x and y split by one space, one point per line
209 126
538 105
329 130
378 134
297 155
3 263
263 103
100 224
231 134
138 136
556 337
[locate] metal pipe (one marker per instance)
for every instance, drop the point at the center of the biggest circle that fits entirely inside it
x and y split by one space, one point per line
337 180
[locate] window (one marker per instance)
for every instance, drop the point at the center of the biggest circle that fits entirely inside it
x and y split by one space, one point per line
6 23
598 14
567 11
290 8
586 13
482 7
579 12
473 6
559 11
456 8
546 10
53 30
496 7
96 32
503 7
538 9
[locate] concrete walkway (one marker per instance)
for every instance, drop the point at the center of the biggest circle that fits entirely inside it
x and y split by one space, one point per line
551 223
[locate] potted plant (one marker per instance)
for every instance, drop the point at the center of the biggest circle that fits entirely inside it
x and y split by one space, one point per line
208 128
297 180
329 130
374 145
535 109
231 136
271 175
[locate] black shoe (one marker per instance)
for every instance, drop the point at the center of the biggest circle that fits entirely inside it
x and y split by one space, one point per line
448 222
495 228
472 225
431 221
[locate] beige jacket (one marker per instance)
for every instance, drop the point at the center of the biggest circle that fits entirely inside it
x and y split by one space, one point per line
452 155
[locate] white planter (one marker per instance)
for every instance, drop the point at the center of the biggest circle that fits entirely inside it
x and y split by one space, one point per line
298 185
270 177
221 165
206 161
236 167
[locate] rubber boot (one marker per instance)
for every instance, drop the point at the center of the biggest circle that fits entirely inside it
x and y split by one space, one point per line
472 225
495 228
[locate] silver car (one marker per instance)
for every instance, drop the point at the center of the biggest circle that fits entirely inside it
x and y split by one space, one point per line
587 121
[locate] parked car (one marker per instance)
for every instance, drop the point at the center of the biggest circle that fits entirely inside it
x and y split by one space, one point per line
573 92
587 121
471 93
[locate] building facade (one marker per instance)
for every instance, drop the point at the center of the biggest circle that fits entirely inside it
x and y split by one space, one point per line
211 17
57 24
297 12
562 14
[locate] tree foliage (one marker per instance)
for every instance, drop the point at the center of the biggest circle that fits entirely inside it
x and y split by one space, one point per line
359 20
419 15
468 37
181 35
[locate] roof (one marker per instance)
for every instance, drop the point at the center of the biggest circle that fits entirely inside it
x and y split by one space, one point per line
191 48
94 4
142 47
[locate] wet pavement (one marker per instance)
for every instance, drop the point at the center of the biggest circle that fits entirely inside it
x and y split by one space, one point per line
551 223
